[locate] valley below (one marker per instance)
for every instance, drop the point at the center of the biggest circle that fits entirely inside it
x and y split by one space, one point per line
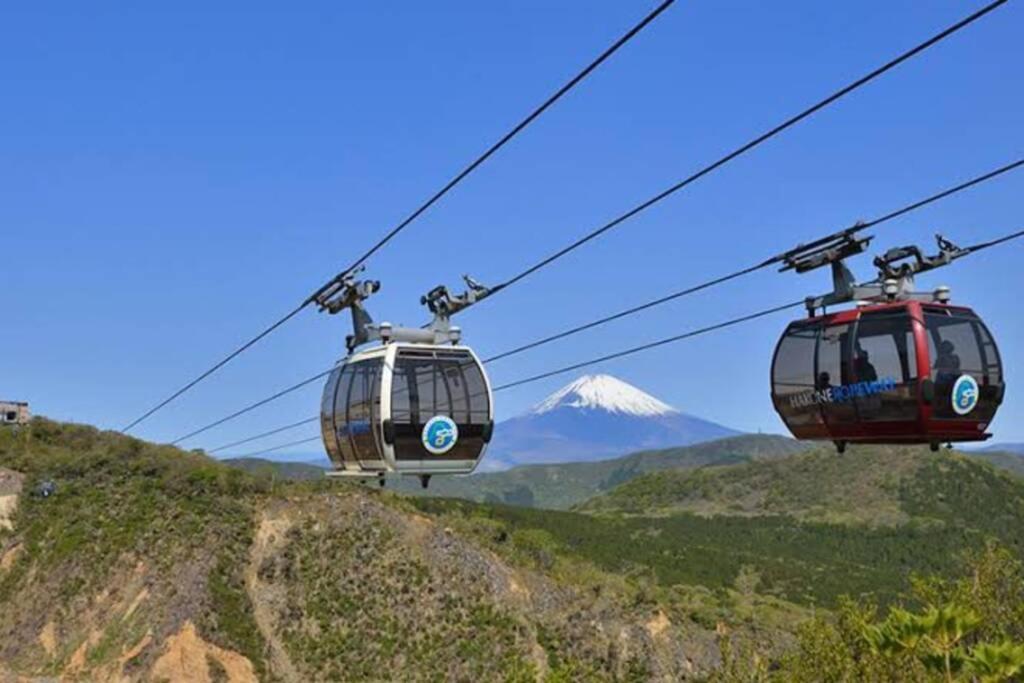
746 558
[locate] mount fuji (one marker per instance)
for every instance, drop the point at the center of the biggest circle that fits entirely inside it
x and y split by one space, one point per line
594 418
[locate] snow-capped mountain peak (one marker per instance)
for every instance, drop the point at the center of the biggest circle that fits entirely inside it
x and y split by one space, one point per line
604 392
592 418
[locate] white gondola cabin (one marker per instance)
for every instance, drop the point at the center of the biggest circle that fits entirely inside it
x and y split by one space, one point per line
407 408
414 403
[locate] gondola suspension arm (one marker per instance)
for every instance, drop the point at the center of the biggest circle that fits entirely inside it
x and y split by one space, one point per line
350 293
897 268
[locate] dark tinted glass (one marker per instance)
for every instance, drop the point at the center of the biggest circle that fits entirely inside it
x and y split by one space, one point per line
356 405
341 415
330 437
374 378
958 345
426 384
361 410
992 366
834 374
793 385
884 369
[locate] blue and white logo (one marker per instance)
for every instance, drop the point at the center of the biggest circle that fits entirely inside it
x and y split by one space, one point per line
965 394
440 434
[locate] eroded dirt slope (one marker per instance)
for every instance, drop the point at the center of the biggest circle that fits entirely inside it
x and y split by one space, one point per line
148 563
347 586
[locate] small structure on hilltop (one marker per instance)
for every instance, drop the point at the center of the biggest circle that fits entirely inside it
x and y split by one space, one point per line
14 413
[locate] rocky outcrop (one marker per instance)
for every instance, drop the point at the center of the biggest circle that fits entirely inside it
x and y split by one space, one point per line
11 484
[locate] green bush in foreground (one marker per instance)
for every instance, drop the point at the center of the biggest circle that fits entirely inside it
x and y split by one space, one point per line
967 629
935 638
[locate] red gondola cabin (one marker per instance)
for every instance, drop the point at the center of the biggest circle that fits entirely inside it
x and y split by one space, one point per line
901 372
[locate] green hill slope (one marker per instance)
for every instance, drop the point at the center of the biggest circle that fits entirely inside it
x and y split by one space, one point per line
869 485
561 486
810 528
149 563
137 547
1011 462
276 469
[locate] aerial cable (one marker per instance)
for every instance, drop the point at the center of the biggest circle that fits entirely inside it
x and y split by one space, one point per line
660 300
252 406
992 243
494 148
778 258
745 148
422 208
942 195
278 447
608 226
661 342
263 435
750 145
227 359
575 366
622 314
651 345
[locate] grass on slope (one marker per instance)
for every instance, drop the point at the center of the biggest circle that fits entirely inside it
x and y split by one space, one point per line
121 502
561 486
568 549
273 469
354 591
868 485
802 562
363 603
811 527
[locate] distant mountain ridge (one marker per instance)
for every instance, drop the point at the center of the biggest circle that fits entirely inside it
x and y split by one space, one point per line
560 486
1004 460
1017 448
593 418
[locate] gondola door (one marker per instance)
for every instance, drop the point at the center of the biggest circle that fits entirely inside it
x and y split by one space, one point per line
832 372
966 371
439 410
357 414
411 399
885 358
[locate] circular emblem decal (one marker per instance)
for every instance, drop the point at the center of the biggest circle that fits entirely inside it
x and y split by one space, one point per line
440 434
965 394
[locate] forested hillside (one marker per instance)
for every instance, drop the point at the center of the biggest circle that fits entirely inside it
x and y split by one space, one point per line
874 485
561 486
123 560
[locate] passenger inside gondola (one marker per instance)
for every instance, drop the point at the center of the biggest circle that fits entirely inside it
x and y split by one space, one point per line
947 363
855 376
866 372
870 406
947 369
824 381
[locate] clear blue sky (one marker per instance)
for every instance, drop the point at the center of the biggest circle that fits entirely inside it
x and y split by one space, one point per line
173 178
